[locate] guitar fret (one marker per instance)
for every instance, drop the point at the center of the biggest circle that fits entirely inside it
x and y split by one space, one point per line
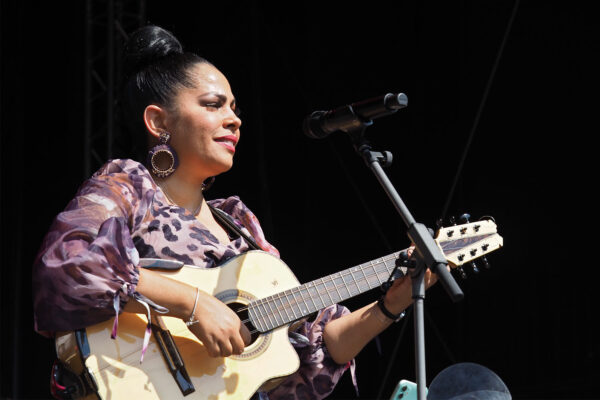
375 272
351 279
279 306
302 311
304 294
388 269
257 318
393 264
265 313
349 294
336 287
286 306
327 291
277 323
252 315
316 295
371 283
383 270
271 316
341 285
309 286
330 290
291 304
374 265
364 276
355 278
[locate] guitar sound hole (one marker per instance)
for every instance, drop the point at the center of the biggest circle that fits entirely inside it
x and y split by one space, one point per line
242 311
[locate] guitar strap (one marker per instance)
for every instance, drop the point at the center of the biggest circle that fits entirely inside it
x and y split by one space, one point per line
229 223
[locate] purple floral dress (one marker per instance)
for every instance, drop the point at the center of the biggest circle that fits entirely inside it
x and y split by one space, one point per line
89 260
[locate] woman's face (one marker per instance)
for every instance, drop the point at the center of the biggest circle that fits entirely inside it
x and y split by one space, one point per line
204 126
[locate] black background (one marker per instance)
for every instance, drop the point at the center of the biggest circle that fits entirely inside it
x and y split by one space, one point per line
530 164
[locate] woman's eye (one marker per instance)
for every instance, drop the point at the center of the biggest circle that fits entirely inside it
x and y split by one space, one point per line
213 105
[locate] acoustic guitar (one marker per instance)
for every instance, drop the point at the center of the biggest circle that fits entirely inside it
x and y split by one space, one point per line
268 298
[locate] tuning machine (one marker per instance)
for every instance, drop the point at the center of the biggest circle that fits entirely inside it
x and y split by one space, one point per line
464 219
461 272
485 262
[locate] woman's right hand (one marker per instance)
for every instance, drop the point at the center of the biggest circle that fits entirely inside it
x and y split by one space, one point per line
218 327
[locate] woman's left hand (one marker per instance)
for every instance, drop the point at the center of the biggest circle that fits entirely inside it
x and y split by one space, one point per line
399 295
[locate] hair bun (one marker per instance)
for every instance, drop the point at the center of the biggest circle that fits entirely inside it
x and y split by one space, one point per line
147 45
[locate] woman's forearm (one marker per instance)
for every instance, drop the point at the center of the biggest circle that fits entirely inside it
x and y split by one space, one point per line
345 337
174 295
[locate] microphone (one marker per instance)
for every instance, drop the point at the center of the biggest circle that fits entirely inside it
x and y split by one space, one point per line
320 124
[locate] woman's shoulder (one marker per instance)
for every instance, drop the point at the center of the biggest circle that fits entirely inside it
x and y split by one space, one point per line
124 172
122 166
229 204
124 178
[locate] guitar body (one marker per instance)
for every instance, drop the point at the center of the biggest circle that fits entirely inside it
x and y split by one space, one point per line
115 364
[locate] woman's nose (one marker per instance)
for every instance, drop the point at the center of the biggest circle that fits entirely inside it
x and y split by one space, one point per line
232 121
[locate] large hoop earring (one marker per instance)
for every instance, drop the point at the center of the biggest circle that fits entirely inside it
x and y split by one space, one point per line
208 183
162 158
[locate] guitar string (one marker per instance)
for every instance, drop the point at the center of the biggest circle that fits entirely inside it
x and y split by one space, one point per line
335 287
253 331
319 292
342 275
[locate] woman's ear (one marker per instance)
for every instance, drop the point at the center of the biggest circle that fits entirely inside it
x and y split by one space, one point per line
154 119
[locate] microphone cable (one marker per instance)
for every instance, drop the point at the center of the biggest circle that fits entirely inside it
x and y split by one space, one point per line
479 111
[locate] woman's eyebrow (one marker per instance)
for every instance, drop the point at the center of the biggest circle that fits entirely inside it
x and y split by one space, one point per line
220 96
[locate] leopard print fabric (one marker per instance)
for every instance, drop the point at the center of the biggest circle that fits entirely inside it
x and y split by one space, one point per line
91 253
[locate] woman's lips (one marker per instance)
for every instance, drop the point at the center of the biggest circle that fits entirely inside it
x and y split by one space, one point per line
228 142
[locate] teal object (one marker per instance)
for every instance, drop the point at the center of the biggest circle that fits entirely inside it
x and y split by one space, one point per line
405 390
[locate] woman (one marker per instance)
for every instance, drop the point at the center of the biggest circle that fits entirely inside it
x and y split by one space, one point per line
88 268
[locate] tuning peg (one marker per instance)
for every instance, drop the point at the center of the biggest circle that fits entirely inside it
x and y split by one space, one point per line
452 220
486 263
439 223
474 267
461 272
402 260
464 218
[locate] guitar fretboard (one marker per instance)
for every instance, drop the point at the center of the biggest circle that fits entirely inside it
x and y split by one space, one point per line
290 305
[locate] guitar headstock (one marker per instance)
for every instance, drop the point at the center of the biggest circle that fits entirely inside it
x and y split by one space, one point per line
464 243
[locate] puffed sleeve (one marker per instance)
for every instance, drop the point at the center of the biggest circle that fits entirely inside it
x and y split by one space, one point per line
87 259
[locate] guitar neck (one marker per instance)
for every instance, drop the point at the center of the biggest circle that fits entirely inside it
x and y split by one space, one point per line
460 244
290 305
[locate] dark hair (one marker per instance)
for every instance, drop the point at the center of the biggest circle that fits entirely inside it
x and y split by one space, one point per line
155 67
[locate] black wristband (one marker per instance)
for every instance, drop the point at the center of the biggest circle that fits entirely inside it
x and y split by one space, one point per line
387 312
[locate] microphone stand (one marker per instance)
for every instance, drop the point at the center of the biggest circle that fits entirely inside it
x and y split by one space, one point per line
426 255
